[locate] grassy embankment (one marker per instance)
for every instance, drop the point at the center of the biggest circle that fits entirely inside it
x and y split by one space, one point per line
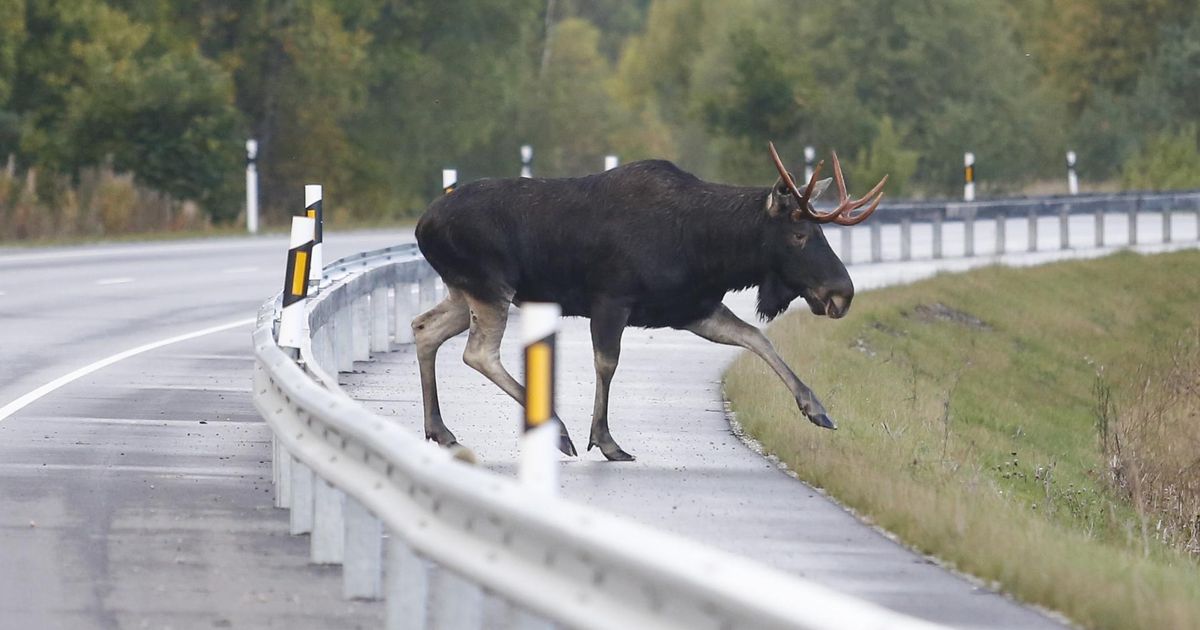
972 409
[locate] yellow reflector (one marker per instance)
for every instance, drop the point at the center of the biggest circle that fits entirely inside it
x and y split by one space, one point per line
537 377
298 276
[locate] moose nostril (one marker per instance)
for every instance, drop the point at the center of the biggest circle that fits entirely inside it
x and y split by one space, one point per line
839 303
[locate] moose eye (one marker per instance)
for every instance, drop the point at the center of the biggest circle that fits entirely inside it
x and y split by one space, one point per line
799 239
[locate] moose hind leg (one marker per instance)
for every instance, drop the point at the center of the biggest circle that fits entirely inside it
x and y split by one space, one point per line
608 324
488 321
726 328
430 330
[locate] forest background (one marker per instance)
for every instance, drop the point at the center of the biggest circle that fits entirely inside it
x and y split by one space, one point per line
132 115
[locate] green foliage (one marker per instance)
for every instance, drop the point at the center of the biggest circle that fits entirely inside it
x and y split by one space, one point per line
1170 161
886 156
374 97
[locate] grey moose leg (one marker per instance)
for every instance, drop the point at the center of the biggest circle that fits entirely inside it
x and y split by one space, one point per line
608 324
726 328
430 330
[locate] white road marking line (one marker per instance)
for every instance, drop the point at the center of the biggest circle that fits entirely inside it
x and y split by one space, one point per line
27 399
250 269
108 281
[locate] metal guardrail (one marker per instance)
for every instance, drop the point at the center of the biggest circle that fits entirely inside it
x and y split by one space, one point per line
456 534
1117 219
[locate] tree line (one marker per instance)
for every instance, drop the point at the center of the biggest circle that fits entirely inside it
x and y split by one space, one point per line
373 97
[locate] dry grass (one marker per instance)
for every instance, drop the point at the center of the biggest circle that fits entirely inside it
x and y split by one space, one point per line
969 426
37 207
1152 445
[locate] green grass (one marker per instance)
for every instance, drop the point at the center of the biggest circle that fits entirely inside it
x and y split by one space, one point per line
976 441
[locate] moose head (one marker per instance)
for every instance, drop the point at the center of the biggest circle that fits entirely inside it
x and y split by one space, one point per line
801 261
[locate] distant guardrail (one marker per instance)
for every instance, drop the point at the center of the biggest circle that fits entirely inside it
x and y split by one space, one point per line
457 534
999 226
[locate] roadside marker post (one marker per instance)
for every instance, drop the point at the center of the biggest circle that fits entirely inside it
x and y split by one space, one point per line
314 208
810 155
252 186
539 441
611 162
969 176
449 180
526 161
292 322
1072 178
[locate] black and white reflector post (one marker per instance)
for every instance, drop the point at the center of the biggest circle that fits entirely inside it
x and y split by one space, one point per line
1072 178
292 322
969 176
539 442
314 209
526 160
810 154
252 186
611 162
449 180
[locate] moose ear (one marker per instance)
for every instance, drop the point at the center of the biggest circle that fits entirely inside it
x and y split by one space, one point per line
820 188
775 200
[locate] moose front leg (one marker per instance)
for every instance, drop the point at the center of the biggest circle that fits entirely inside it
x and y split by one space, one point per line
608 324
726 328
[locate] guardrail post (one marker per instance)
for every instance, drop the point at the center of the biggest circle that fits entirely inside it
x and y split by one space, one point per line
938 217
283 460
1166 219
968 215
362 568
380 340
1064 226
407 302
344 344
1133 219
302 498
407 587
428 292
329 528
1001 233
1032 245
362 329
906 238
1099 227
847 246
876 242
455 603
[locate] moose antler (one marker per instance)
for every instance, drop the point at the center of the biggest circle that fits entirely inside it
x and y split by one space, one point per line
840 214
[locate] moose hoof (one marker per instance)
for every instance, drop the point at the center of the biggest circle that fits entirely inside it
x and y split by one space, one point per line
442 436
566 445
823 421
612 452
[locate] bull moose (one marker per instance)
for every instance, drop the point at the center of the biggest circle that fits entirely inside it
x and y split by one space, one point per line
646 244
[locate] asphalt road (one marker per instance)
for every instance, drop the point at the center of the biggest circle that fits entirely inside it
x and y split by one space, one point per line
136 496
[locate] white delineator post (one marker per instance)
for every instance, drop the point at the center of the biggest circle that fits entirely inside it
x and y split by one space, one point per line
539 442
810 155
293 324
252 186
526 160
969 176
314 208
449 180
611 162
1072 178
